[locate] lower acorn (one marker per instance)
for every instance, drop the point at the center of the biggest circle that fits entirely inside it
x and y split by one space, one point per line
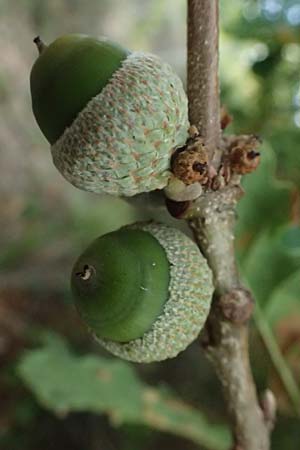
144 291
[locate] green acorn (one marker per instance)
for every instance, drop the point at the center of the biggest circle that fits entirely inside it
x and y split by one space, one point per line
144 291
112 117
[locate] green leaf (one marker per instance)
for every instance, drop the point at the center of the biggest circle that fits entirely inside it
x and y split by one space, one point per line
252 22
291 241
269 263
285 300
285 141
64 382
266 204
280 364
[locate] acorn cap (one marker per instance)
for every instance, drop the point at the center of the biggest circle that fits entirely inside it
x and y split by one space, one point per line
122 141
182 294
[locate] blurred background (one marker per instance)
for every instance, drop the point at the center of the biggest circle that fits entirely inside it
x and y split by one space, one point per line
58 390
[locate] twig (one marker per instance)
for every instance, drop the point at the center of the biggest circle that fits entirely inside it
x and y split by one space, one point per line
202 75
225 342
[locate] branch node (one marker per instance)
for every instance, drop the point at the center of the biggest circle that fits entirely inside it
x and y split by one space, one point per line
237 306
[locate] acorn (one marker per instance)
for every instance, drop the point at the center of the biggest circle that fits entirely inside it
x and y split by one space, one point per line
112 117
144 291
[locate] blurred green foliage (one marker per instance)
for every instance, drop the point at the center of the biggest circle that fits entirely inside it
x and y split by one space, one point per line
64 382
46 223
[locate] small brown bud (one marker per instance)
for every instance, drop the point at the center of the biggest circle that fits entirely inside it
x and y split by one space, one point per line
193 132
217 182
269 405
226 118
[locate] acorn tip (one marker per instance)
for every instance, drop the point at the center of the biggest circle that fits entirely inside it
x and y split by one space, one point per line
40 44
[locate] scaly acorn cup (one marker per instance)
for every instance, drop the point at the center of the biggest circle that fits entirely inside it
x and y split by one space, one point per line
144 291
112 117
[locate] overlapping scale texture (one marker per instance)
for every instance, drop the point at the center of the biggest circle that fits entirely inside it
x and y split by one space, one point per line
121 142
185 312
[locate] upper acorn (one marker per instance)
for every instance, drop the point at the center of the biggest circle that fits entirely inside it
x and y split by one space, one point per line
112 117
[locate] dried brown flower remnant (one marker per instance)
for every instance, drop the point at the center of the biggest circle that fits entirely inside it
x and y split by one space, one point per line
242 155
190 163
191 166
